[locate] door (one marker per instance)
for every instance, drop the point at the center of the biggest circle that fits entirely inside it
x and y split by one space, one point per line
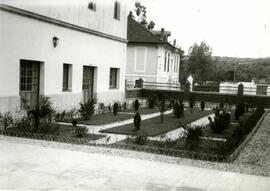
29 82
88 81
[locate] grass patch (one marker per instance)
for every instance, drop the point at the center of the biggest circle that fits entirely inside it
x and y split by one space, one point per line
142 111
69 131
152 127
103 119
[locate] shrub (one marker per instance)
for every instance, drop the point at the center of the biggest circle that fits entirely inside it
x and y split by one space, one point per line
41 113
115 108
63 115
101 108
192 135
124 106
151 103
23 125
137 121
162 110
240 90
136 105
202 105
87 109
71 114
221 105
6 120
191 102
81 131
45 128
178 109
74 122
140 140
221 121
239 110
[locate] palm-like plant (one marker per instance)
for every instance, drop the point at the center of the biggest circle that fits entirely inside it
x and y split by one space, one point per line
87 109
192 135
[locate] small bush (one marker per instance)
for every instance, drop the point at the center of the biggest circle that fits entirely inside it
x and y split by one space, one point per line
101 108
74 122
81 131
162 110
63 115
137 121
41 113
6 120
192 135
136 105
178 109
115 108
221 121
240 110
71 114
140 140
240 90
202 105
87 109
23 125
191 103
151 103
124 106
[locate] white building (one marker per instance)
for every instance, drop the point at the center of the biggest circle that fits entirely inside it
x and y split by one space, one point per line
69 50
150 56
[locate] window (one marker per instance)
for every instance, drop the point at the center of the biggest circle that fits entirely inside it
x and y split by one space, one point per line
113 77
175 62
168 67
92 6
116 10
165 61
67 77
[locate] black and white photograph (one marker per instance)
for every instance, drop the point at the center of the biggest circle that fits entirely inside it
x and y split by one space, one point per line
135 95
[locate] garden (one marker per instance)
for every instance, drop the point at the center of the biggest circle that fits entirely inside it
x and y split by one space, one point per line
222 130
222 135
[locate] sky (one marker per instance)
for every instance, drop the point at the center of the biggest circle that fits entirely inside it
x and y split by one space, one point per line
236 28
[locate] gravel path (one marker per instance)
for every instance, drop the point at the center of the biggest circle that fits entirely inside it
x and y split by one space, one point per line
254 159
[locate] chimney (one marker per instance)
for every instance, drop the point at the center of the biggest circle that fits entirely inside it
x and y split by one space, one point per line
162 33
174 42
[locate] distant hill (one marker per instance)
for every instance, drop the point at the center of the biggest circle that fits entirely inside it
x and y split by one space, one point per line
246 68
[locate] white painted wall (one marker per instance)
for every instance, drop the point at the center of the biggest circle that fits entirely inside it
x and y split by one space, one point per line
232 88
25 38
141 63
153 58
76 12
164 76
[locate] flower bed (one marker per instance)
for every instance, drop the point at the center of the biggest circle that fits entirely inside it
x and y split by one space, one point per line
153 127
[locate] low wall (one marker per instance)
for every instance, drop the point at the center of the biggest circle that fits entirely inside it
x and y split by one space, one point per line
199 96
231 88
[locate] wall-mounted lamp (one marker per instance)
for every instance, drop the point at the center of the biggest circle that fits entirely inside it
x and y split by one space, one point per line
55 41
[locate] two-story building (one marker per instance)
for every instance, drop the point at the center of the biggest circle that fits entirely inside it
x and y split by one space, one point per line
150 56
69 50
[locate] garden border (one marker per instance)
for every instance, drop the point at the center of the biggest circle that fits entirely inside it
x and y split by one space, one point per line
236 152
140 148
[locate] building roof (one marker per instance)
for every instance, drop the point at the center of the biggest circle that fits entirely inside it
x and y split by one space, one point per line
137 33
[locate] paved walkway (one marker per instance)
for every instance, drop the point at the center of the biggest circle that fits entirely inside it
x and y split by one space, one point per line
31 167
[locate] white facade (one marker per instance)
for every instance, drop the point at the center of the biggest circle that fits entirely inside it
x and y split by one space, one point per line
148 63
86 38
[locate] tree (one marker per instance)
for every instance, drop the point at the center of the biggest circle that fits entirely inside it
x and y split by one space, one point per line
200 61
141 17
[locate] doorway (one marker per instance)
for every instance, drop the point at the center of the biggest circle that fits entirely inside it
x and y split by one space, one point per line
88 83
29 82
